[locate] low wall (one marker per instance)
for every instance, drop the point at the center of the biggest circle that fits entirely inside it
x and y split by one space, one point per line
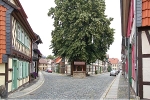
79 74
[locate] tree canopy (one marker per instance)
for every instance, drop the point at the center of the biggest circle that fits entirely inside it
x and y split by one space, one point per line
50 57
82 30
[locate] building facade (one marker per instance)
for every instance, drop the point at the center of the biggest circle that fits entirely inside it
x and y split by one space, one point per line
136 45
114 63
16 39
36 55
43 64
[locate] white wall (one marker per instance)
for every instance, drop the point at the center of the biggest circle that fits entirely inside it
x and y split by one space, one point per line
146 65
146 77
10 74
2 70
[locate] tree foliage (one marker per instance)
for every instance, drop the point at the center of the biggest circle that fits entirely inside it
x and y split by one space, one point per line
50 57
82 30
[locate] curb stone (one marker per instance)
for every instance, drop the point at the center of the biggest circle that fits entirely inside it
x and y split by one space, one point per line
107 90
36 87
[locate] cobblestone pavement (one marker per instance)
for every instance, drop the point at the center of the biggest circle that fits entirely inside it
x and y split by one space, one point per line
123 89
58 86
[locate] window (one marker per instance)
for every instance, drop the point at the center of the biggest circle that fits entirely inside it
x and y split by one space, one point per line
27 42
19 33
22 38
19 69
25 39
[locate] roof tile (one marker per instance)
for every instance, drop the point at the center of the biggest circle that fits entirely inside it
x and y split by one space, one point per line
2 46
2 32
114 60
43 61
2 22
145 12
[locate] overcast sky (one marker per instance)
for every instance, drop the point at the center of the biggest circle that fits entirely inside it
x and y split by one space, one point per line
41 24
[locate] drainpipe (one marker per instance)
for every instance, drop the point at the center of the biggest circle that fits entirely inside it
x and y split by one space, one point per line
6 78
136 56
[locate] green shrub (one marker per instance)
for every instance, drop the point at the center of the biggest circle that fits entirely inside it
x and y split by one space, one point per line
109 68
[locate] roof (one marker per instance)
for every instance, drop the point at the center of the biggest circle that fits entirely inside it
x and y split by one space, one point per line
2 33
113 60
11 4
22 10
48 59
145 13
22 17
124 7
38 38
43 61
57 60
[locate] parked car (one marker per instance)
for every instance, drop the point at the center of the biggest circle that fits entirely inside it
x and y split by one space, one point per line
113 73
48 70
117 71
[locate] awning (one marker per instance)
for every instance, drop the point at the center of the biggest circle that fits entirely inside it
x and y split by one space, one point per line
37 51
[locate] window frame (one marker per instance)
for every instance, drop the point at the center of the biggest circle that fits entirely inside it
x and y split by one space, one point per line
18 32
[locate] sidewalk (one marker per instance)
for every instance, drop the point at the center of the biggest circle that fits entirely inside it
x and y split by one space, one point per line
118 89
34 85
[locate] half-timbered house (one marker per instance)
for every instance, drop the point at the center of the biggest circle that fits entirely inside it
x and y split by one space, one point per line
135 19
36 55
16 39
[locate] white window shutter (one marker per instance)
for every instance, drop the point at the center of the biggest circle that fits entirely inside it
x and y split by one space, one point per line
27 68
20 69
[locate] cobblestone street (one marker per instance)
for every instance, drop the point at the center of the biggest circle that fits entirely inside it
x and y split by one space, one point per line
58 86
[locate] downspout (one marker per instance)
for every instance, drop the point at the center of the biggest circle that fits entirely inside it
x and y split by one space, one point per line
6 78
136 60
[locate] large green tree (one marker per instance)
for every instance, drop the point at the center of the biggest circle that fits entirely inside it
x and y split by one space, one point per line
82 30
50 57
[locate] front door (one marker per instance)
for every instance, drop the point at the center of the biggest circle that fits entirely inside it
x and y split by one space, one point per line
14 75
